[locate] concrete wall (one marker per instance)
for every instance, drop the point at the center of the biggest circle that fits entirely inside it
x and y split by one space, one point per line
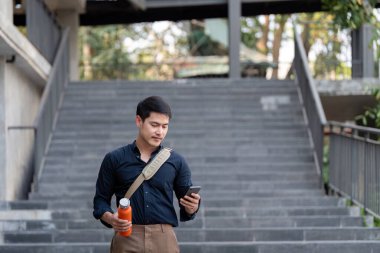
70 18
6 9
19 102
343 100
345 107
2 131
22 99
67 14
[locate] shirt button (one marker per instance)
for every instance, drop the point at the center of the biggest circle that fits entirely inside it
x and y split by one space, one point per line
146 192
147 205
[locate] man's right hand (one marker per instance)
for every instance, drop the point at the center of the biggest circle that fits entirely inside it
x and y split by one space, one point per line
117 224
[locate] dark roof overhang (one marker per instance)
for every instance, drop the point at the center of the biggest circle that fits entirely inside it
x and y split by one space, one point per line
103 12
117 12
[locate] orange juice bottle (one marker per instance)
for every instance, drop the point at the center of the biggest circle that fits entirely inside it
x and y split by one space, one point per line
125 213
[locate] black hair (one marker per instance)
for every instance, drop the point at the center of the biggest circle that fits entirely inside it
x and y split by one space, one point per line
153 104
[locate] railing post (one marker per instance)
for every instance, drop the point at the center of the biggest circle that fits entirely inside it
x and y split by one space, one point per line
354 133
366 138
364 167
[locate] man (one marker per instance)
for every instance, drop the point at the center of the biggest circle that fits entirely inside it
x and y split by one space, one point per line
153 215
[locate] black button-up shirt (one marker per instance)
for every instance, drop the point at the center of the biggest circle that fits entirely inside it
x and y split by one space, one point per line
152 203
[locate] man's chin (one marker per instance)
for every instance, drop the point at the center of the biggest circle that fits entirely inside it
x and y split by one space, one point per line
155 143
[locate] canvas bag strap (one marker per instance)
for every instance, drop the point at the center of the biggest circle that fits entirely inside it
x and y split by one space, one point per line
149 170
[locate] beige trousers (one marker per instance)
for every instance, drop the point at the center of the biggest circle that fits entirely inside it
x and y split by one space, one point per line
158 238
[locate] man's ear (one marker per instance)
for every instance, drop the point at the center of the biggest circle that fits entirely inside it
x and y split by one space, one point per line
138 121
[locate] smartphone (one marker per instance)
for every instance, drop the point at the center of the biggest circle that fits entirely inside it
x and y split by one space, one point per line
193 189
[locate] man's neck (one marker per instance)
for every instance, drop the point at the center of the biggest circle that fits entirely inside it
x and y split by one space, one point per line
145 150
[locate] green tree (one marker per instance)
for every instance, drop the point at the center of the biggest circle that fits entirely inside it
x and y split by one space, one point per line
106 55
328 44
371 116
352 14
256 33
280 21
103 55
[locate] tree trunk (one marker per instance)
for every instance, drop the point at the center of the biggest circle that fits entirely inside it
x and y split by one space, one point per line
305 35
262 43
86 54
281 21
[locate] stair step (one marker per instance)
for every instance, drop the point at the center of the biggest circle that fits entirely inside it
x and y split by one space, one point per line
25 215
105 147
185 115
74 178
290 207
211 247
39 221
82 191
217 156
254 203
283 211
282 247
288 234
210 183
205 235
208 213
245 194
224 161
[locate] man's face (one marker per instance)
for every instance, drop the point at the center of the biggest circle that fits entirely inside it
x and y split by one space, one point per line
153 129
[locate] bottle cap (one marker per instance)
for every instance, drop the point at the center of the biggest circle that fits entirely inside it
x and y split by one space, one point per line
124 203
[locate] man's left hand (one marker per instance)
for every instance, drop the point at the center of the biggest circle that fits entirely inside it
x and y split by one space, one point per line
190 203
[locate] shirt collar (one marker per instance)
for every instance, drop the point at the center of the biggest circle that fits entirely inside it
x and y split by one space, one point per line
137 151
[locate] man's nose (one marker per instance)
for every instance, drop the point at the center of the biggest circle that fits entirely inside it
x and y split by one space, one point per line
159 130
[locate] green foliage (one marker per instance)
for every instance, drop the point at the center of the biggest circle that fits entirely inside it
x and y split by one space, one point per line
351 13
376 222
327 64
251 29
371 116
103 55
130 52
327 43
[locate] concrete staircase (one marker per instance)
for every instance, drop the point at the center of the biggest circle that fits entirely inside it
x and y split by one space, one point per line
247 145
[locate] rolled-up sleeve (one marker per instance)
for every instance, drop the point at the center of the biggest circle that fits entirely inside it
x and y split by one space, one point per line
104 189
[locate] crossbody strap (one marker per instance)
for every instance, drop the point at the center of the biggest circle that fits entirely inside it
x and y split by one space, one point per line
149 170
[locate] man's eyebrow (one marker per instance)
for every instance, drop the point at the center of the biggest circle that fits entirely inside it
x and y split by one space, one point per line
158 123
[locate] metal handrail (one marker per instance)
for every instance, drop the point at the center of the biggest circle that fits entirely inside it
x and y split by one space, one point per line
354 166
315 115
354 127
310 80
50 103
